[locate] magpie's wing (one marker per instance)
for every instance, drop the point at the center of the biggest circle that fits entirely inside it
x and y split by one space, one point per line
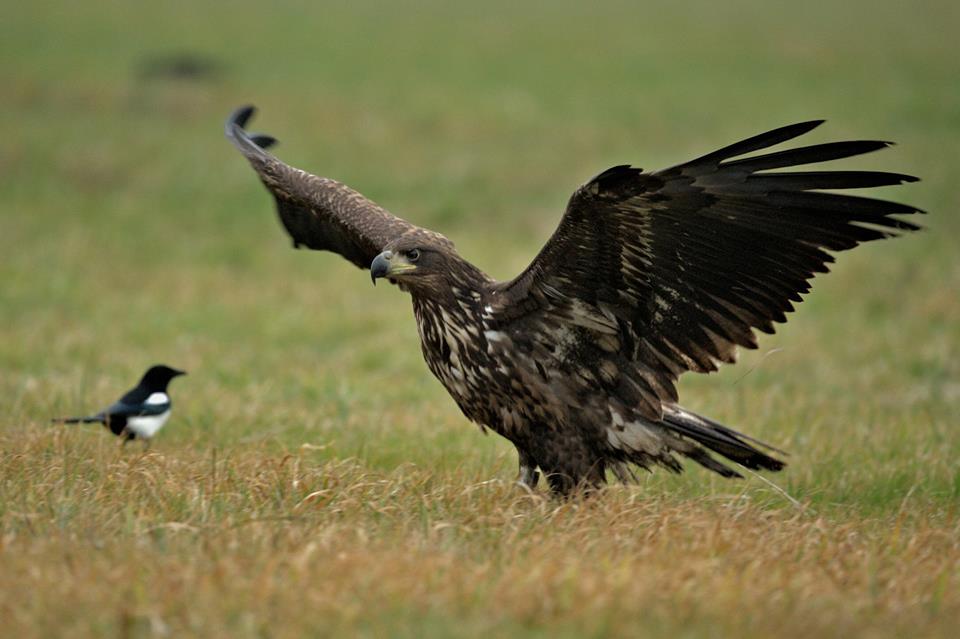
134 404
318 212
139 409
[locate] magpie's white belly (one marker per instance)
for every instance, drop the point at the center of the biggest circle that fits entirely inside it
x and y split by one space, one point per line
146 426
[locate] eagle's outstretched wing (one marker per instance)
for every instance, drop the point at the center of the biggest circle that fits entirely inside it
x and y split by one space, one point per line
317 212
661 273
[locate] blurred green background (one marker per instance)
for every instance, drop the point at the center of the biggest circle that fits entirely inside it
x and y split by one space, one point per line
131 232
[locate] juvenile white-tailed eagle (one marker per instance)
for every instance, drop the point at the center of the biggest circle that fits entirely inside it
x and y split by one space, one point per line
649 275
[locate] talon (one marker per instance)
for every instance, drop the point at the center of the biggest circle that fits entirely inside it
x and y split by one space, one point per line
528 477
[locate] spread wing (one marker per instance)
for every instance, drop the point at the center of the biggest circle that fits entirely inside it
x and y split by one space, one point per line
317 212
650 275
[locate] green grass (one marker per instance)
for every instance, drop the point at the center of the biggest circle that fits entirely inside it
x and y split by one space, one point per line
315 479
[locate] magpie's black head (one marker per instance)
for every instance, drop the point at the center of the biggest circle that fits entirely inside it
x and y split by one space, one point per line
157 377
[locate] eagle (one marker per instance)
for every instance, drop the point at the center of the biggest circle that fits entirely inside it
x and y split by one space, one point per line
649 275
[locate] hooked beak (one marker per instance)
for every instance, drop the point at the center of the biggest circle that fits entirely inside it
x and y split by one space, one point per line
388 264
380 266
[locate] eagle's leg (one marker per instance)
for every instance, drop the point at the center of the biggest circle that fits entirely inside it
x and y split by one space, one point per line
570 478
528 475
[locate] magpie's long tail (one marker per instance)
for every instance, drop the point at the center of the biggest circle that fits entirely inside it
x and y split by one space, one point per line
92 419
733 445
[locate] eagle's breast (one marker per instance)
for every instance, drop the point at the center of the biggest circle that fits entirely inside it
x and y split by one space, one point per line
454 349
454 339
494 382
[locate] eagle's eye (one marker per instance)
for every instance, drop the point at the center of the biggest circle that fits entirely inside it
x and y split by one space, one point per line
413 255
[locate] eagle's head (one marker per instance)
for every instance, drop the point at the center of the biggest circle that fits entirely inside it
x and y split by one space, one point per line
420 262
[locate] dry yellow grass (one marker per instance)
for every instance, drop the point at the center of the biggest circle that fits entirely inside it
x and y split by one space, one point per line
257 543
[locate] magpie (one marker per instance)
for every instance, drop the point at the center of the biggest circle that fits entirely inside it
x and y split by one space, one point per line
141 412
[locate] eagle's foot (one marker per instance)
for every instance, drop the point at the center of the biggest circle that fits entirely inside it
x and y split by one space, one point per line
528 477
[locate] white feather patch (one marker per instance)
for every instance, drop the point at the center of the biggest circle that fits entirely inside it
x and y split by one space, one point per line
633 436
146 426
157 398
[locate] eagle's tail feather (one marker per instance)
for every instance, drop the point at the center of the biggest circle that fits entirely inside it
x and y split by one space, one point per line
706 460
731 444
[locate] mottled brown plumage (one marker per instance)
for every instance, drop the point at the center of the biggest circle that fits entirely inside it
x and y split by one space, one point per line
649 275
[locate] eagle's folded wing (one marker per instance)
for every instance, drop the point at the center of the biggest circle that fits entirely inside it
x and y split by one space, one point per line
317 212
666 272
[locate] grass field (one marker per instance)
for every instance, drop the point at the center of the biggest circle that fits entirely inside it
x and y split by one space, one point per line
315 479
